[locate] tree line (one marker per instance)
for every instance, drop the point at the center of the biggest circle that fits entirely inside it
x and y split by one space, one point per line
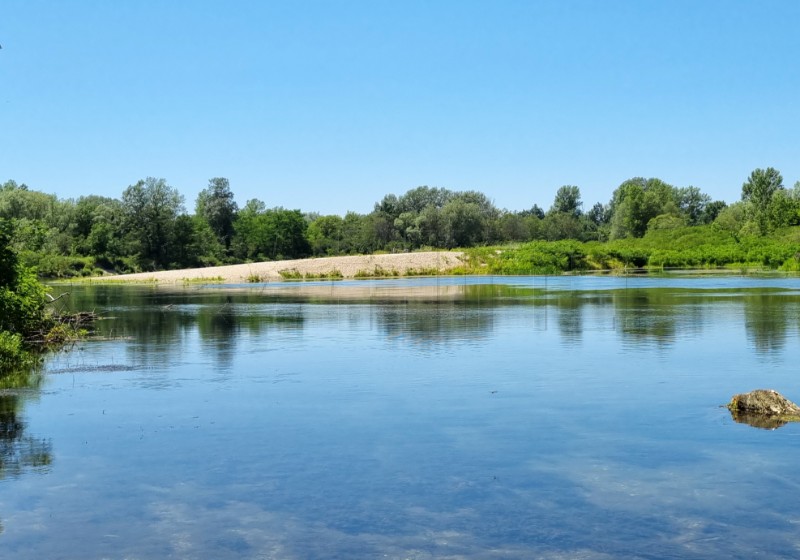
149 228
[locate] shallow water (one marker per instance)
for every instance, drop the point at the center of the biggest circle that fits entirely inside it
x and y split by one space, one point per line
434 418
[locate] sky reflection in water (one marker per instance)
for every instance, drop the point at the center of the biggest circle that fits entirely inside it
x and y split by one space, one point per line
488 418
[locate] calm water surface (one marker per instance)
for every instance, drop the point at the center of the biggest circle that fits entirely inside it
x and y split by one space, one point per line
568 417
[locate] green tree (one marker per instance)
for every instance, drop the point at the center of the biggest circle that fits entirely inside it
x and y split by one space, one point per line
464 223
568 201
270 234
711 211
692 203
22 304
783 209
758 191
561 225
416 200
637 201
731 220
216 206
151 209
325 234
97 227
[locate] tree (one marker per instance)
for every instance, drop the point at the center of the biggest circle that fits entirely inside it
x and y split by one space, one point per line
692 203
758 191
731 220
464 223
534 211
711 211
270 234
568 201
512 226
324 234
216 206
637 201
598 214
783 209
22 305
561 225
416 200
150 209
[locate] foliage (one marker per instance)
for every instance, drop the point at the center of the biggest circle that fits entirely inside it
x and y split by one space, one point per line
568 201
759 190
13 355
22 306
150 213
646 223
216 206
274 234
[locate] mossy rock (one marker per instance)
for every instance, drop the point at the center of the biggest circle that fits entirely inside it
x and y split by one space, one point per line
763 408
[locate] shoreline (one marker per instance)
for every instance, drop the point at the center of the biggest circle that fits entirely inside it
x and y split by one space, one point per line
352 266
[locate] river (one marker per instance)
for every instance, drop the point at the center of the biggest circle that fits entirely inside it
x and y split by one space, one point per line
472 417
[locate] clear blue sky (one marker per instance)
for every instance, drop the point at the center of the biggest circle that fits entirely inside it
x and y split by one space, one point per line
328 106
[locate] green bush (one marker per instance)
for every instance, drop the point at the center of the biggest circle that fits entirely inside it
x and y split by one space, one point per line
13 355
22 307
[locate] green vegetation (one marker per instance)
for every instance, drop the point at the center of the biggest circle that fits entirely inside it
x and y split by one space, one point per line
377 272
646 223
698 247
204 280
26 326
294 274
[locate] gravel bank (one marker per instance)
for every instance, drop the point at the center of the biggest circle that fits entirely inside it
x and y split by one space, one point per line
348 267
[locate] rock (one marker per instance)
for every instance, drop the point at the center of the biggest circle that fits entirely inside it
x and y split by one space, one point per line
763 408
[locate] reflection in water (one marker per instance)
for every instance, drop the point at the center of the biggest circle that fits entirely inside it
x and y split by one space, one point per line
162 322
218 328
569 310
18 451
643 312
758 420
431 324
162 319
767 317
503 418
646 314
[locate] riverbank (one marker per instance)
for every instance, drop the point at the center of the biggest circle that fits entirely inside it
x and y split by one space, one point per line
400 264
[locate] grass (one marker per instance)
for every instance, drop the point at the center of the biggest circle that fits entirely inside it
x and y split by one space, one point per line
294 274
105 280
291 274
334 274
204 280
377 272
425 272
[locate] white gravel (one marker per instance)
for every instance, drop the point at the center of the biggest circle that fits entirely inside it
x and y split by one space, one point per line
348 267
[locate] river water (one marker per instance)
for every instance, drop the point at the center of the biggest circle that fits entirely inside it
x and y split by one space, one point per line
474 417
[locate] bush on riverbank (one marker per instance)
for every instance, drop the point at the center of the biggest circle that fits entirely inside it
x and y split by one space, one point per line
23 314
699 247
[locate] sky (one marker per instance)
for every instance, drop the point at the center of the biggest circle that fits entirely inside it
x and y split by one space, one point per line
328 106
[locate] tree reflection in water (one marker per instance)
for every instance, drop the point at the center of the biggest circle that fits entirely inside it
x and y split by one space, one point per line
19 451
